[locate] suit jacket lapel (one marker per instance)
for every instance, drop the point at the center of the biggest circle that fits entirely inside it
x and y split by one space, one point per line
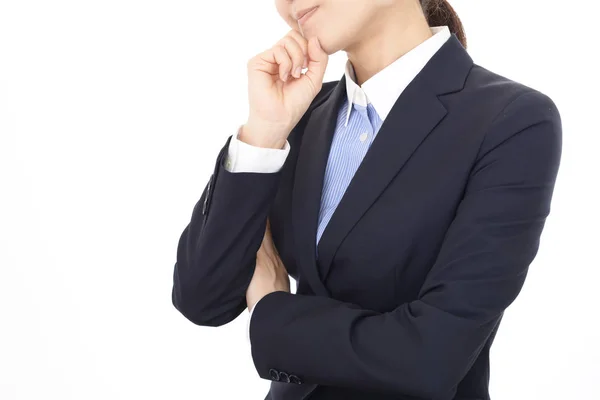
308 183
415 114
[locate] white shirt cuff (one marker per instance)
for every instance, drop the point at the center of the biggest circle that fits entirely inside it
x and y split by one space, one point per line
242 157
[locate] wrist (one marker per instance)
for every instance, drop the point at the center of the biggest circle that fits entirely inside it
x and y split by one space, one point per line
258 297
263 135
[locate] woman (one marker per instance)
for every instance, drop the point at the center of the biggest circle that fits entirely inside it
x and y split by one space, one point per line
407 200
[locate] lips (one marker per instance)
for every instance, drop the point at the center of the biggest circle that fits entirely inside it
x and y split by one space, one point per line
302 13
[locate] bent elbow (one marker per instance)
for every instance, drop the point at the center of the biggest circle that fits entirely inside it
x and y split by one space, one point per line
201 311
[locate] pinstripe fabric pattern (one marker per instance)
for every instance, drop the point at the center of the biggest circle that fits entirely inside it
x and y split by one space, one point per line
349 146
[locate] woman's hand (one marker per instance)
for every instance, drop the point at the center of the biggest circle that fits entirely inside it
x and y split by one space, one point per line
270 274
278 93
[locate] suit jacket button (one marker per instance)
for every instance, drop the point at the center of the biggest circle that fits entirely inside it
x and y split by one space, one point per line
295 379
274 374
283 377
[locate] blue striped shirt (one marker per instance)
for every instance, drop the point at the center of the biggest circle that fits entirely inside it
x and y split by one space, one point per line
348 148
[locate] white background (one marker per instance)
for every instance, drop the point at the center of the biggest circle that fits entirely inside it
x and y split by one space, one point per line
111 117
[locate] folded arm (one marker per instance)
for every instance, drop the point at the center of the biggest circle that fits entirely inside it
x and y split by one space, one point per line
216 253
424 348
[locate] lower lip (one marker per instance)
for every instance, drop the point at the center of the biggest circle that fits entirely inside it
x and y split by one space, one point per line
306 16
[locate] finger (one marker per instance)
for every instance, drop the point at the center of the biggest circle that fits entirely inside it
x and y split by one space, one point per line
283 59
265 62
296 54
303 43
317 62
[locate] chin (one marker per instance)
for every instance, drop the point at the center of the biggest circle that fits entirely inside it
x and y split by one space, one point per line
330 47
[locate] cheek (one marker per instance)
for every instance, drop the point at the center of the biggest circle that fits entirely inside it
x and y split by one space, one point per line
280 5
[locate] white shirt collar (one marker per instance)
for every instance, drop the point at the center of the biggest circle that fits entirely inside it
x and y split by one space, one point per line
384 88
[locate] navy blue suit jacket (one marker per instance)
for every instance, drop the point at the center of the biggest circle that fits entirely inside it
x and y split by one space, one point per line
428 247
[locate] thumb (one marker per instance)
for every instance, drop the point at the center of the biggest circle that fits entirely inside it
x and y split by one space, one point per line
317 62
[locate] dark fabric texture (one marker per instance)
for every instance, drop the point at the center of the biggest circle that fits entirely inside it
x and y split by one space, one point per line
430 244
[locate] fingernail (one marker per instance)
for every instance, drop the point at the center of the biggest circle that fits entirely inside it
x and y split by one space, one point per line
297 72
284 77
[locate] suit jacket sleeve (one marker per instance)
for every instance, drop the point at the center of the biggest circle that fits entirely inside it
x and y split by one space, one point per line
424 348
216 253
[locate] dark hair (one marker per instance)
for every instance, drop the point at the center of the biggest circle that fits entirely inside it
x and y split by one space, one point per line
440 12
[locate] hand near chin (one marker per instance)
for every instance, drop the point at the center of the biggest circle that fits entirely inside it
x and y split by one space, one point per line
270 274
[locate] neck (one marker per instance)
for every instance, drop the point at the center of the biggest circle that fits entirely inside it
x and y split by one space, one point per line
399 31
